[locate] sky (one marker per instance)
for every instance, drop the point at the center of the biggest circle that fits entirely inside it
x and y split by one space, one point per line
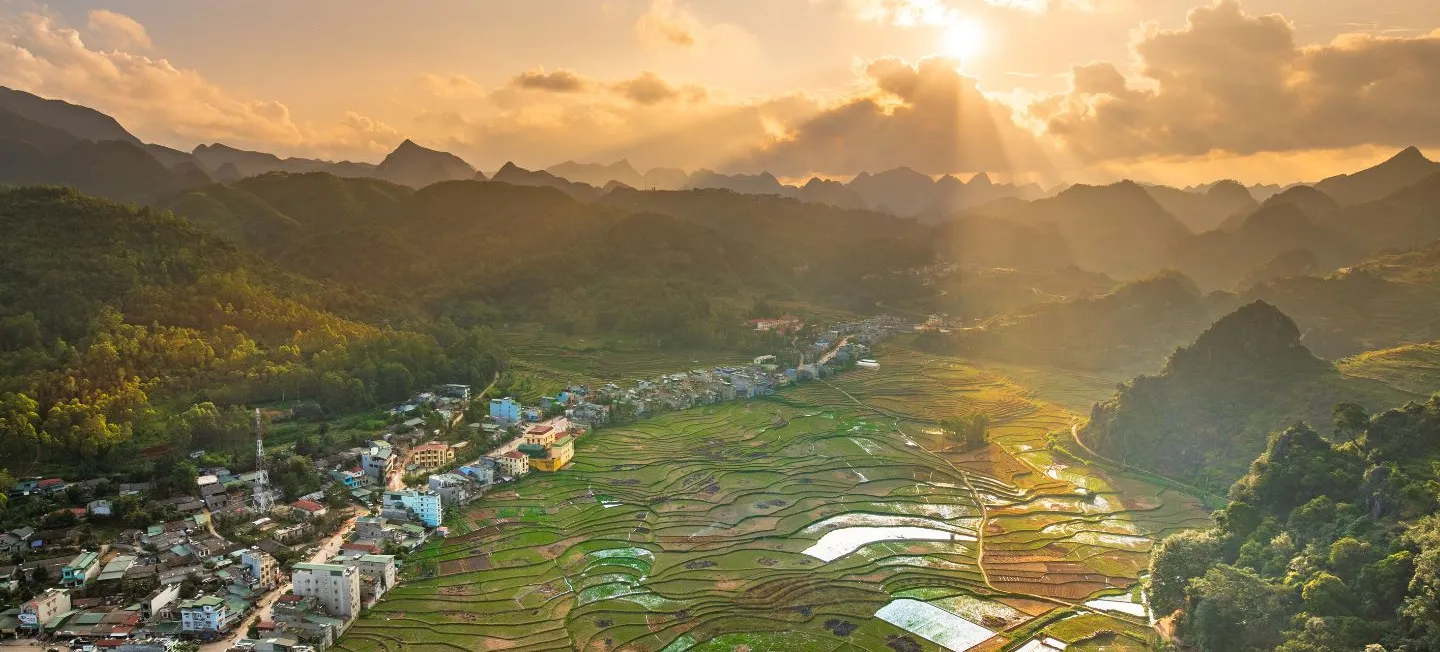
1172 91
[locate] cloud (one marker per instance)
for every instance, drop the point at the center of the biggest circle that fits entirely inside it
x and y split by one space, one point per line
1234 83
942 13
649 89
451 87
668 25
902 13
157 100
560 81
924 115
119 31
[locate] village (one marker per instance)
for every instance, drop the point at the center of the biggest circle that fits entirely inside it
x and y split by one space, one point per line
233 567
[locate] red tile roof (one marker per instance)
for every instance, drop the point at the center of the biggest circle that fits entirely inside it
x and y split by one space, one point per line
538 429
308 505
289 597
515 455
432 446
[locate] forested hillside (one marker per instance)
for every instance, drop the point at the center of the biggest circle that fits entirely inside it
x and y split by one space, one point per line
1325 545
115 321
1206 414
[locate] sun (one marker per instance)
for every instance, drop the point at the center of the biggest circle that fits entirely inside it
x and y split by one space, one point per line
964 40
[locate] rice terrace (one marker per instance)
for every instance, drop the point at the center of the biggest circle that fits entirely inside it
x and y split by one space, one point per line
828 517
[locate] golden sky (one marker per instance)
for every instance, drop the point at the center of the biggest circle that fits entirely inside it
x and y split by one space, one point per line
1074 90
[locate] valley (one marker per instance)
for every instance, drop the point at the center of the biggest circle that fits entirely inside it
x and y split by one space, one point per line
790 522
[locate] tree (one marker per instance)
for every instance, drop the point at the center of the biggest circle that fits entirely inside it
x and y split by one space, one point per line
1325 595
1236 611
1178 559
336 497
1351 420
966 432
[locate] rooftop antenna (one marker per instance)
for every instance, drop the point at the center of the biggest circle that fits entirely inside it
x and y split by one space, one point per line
262 481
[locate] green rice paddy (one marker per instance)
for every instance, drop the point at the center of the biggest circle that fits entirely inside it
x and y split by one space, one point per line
689 531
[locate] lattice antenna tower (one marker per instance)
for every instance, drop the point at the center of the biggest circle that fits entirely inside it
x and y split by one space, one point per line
262 482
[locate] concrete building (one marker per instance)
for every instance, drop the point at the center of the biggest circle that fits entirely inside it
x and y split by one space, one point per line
482 472
505 410
263 568
432 455
454 489
83 568
424 504
540 434
158 603
44 607
207 614
335 587
555 456
378 460
377 574
513 464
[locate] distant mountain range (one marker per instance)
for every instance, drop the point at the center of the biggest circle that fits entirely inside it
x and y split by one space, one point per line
1221 235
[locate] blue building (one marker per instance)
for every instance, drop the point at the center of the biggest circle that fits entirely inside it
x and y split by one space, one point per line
505 410
424 504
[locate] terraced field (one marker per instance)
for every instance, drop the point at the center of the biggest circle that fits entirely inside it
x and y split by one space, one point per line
573 360
828 518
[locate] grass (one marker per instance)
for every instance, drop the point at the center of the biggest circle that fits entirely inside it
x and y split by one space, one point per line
711 509
1414 369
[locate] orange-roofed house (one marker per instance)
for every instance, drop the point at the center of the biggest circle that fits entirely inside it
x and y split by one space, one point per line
540 434
432 455
308 509
514 464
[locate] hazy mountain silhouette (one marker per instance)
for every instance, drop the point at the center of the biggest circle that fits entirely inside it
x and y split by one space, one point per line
1314 203
415 166
79 121
1402 219
1117 229
1217 259
516 175
599 175
1286 264
1400 171
1203 211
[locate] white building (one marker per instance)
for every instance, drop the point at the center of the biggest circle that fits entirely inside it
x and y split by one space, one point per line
377 573
335 587
44 607
378 460
207 614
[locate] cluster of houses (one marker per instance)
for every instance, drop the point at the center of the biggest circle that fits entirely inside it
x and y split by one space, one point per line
322 601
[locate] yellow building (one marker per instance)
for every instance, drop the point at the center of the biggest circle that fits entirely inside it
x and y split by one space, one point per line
559 453
541 434
432 455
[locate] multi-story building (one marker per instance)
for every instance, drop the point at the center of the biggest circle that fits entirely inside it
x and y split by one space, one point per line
540 434
336 587
424 504
555 456
377 574
159 602
432 455
378 460
207 614
263 568
42 608
505 410
513 464
454 489
83 568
